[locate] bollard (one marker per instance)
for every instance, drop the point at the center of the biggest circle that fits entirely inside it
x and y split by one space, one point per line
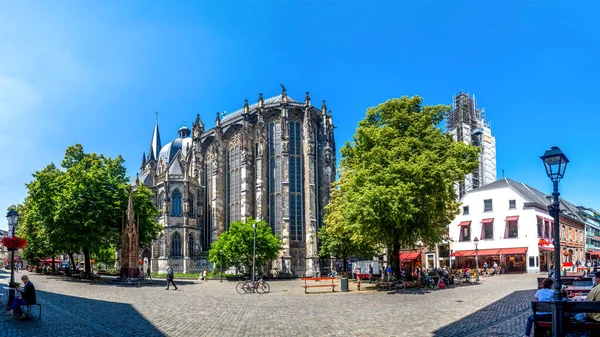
358 284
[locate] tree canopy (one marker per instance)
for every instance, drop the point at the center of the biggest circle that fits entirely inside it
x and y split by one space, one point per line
237 245
81 208
396 185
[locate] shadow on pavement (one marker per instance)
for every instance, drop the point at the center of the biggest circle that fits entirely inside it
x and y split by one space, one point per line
496 314
64 315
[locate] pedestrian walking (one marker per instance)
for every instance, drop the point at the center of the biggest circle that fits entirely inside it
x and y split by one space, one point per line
170 276
148 274
205 275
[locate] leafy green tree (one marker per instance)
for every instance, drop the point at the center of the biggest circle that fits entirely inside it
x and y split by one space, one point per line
237 245
397 177
82 207
105 256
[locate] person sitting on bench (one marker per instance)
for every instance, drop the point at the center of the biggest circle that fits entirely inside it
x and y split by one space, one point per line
27 297
546 294
594 295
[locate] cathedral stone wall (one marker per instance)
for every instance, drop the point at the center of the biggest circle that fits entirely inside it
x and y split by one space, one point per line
273 160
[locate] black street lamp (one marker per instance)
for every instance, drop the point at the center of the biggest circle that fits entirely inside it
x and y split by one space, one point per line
221 263
13 219
476 242
556 162
254 253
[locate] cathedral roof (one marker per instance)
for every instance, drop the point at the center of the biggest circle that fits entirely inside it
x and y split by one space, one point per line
175 167
273 100
168 152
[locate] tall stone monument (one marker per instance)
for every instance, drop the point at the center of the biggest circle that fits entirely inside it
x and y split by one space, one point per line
130 243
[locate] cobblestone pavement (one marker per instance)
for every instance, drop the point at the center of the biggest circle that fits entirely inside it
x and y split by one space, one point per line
497 306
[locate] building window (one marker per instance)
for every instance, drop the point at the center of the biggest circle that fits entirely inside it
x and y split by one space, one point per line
234 184
512 204
465 233
465 210
296 186
563 232
487 205
176 245
176 208
513 229
540 227
488 231
275 216
190 245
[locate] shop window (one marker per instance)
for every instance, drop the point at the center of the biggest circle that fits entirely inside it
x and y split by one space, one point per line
465 233
487 205
488 231
465 210
512 204
532 261
513 229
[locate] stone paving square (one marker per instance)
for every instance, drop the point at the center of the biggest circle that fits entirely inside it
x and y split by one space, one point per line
497 306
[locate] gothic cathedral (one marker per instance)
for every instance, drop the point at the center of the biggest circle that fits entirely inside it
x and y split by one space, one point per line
273 160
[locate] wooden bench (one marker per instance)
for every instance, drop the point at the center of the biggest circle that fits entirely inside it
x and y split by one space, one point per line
544 328
306 285
575 307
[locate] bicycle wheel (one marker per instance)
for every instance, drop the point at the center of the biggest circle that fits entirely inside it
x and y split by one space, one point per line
265 287
240 287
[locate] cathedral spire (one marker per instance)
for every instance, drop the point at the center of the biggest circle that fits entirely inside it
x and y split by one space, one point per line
143 160
261 101
218 121
283 94
307 99
246 106
155 144
324 108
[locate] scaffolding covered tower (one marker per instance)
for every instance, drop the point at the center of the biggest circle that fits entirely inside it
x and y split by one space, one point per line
466 122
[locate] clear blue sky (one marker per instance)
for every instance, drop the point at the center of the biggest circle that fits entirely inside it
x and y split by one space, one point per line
95 74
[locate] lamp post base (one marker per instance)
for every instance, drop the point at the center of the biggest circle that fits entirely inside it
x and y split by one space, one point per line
557 318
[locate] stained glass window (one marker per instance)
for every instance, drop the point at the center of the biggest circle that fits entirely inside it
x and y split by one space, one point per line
176 245
234 185
176 209
296 183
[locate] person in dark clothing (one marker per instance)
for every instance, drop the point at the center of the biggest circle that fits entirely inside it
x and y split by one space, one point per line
148 274
170 276
27 297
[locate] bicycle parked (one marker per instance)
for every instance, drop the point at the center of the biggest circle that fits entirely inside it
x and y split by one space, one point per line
259 286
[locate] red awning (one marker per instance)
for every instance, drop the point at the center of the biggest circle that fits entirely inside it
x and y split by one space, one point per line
488 251
593 253
463 253
409 256
507 251
546 249
490 220
464 223
512 218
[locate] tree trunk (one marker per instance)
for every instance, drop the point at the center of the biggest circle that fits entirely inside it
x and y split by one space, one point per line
86 258
395 258
345 261
53 264
72 261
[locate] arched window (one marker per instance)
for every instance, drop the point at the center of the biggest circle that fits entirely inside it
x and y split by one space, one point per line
190 245
176 208
176 245
234 185
296 175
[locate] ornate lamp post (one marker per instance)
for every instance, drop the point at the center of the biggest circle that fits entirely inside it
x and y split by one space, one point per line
476 242
221 263
556 162
13 220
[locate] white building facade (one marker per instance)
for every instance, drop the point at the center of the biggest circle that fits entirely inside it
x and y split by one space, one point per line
514 229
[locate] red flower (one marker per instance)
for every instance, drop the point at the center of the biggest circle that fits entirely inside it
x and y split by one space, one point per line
14 242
